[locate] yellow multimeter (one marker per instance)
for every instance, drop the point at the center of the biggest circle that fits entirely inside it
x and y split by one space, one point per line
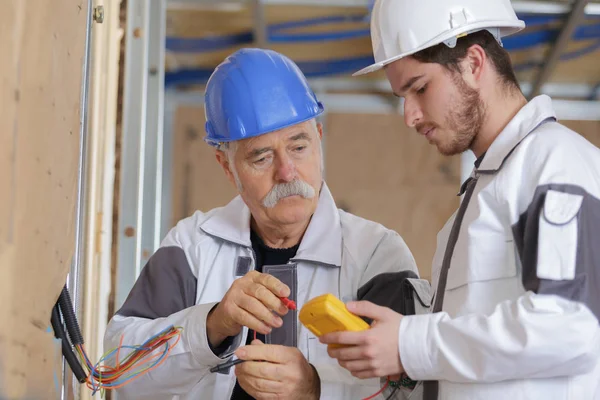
326 314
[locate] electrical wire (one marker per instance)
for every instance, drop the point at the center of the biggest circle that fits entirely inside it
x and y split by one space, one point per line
137 363
101 376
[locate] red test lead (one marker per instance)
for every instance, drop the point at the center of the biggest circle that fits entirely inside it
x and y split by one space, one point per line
288 303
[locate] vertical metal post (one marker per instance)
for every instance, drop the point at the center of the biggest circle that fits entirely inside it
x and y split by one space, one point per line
77 268
133 147
142 144
153 155
167 169
260 24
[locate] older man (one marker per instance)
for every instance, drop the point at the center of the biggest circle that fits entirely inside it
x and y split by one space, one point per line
221 274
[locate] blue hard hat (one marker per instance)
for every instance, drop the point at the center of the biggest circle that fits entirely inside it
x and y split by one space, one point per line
253 92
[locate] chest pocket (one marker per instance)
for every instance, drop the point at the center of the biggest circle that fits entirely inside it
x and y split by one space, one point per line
482 257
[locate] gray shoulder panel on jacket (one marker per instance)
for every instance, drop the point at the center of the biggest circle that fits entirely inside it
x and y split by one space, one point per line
393 290
165 286
585 287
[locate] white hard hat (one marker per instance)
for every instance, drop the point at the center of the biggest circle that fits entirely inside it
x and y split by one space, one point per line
400 28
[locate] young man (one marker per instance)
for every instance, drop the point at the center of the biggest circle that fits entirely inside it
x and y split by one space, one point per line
517 268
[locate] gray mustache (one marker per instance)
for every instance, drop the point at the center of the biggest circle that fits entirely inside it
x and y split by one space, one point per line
283 190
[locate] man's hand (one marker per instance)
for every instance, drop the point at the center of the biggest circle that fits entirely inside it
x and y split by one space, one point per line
276 372
248 302
371 353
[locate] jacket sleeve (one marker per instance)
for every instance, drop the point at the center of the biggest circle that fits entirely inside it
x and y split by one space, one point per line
552 330
164 295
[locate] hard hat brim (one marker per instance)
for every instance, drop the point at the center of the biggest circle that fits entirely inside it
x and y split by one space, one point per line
508 28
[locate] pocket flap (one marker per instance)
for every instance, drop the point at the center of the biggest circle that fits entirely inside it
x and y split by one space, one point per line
422 289
560 207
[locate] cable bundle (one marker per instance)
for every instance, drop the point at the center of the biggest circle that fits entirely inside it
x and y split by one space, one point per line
99 376
133 365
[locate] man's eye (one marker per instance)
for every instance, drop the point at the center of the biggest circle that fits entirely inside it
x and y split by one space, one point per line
260 161
422 90
299 148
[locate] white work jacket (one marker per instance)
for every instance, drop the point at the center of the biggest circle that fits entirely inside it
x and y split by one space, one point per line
200 259
521 305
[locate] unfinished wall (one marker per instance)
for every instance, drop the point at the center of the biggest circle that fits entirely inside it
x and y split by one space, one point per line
40 78
199 182
381 170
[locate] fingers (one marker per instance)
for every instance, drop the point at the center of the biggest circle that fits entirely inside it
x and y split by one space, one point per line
262 370
358 366
259 388
272 283
346 353
346 337
368 309
245 318
271 353
259 311
269 300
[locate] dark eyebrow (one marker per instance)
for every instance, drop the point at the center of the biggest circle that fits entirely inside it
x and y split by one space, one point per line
408 84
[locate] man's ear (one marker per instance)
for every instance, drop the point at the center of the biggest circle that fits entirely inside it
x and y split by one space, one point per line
474 65
320 130
224 162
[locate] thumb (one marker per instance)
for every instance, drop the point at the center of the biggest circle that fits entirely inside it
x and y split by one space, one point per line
368 309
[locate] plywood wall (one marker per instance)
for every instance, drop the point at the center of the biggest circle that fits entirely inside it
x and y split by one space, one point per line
381 170
199 182
40 81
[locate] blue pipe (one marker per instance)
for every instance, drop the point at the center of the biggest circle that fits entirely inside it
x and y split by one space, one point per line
275 34
340 66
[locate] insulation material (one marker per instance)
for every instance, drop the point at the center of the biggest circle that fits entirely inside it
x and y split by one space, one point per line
41 80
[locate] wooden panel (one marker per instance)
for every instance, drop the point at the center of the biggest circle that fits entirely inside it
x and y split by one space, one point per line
381 170
43 44
588 129
199 182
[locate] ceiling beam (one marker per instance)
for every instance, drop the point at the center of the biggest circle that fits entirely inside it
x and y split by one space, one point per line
574 17
525 7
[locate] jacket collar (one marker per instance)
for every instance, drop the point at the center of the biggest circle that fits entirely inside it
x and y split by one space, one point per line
532 115
321 243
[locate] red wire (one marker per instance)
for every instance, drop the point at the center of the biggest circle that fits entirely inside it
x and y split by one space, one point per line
387 383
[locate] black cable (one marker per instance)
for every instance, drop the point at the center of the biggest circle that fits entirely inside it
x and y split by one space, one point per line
66 308
391 394
59 333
